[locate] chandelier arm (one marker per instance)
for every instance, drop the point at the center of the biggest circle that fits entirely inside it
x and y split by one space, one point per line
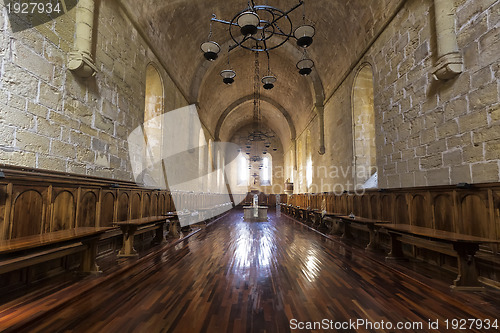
214 19
245 38
284 14
268 62
265 48
281 33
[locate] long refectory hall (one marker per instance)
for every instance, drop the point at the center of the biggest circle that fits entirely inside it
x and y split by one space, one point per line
249 166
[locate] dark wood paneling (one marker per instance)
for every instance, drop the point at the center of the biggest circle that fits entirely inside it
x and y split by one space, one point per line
87 211
474 216
420 211
107 209
37 201
63 211
356 206
4 219
375 207
386 208
154 204
443 213
123 206
365 206
402 215
135 206
146 204
27 214
162 204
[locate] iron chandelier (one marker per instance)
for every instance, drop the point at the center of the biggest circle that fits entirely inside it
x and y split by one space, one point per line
262 28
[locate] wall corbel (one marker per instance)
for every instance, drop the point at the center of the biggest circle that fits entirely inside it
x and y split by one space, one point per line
80 59
450 61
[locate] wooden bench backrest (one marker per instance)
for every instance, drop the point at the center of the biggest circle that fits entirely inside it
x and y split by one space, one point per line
465 210
34 202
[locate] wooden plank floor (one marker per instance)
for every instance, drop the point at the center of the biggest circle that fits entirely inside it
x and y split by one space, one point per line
238 276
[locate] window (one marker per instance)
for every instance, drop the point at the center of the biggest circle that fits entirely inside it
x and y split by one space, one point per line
309 168
153 109
300 166
266 171
243 171
154 94
363 116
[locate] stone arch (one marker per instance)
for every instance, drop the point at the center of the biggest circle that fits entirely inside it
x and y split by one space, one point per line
247 98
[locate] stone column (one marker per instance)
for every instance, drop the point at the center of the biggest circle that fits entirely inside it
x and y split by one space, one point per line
450 62
320 110
80 59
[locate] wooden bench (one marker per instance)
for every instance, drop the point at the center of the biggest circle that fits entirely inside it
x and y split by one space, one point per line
296 212
130 228
27 251
329 220
363 223
300 213
284 208
316 217
174 225
464 247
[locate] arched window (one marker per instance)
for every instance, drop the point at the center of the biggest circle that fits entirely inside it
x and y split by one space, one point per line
266 171
153 109
309 167
154 95
243 170
300 166
363 116
290 163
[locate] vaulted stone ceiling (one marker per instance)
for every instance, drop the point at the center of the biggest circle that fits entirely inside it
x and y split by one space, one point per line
178 27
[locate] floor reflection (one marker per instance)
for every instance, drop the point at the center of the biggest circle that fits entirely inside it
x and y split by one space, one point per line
238 276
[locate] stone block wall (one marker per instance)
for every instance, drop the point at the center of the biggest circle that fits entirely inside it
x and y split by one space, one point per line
428 132
438 132
51 119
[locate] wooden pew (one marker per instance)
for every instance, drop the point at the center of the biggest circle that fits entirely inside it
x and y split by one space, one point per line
134 227
30 250
331 222
174 224
285 208
300 213
316 217
464 247
296 212
370 225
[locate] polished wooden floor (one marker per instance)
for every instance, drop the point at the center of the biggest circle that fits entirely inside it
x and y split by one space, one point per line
237 276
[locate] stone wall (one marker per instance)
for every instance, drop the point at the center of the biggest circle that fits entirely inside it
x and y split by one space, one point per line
428 132
438 132
51 119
